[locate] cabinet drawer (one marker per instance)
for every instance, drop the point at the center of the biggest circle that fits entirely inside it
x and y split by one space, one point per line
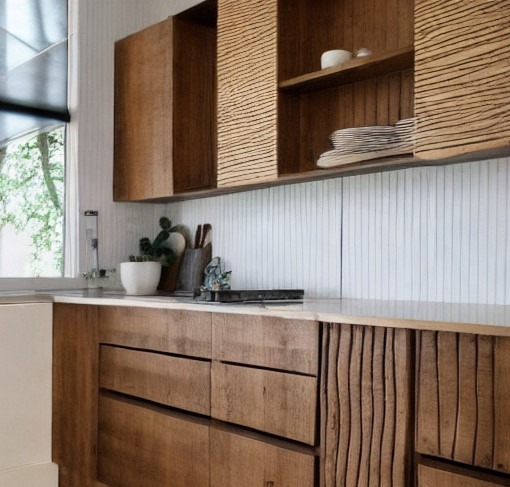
274 402
275 343
240 461
179 382
435 477
174 331
149 446
463 402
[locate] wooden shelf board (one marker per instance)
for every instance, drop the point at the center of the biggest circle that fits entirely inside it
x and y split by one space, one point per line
354 70
367 167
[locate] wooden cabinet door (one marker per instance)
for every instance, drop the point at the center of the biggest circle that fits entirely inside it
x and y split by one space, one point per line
238 461
434 477
75 392
146 446
143 115
274 402
462 76
366 414
463 398
247 91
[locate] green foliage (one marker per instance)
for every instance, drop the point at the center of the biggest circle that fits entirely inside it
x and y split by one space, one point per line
143 258
157 250
32 193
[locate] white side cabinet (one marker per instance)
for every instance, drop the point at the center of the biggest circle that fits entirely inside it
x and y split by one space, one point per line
25 396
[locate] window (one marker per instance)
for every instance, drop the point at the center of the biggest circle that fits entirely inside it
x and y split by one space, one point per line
33 116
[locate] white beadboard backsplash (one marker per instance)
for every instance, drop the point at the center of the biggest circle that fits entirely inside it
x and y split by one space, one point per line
282 237
429 234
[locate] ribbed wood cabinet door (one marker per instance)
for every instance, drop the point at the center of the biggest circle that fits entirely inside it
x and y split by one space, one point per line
462 76
463 398
247 91
366 406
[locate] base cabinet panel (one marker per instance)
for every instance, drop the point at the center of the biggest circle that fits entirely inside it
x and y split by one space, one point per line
146 446
240 461
435 477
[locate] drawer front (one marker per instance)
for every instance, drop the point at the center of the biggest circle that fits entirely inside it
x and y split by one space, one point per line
179 382
275 343
174 331
239 461
463 398
274 402
434 477
148 446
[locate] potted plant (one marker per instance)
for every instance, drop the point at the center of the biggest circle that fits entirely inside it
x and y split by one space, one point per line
142 274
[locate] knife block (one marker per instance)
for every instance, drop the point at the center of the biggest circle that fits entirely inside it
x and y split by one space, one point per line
191 272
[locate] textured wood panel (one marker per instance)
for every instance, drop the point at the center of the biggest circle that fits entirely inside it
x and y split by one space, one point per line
366 406
75 389
434 477
240 461
274 402
143 114
247 91
275 343
428 234
174 331
462 398
149 446
461 71
179 382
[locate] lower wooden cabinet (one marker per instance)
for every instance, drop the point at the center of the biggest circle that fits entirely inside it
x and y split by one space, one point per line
139 445
437 477
463 398
366 412
239 461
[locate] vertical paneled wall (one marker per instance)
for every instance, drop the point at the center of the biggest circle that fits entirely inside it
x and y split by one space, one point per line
288 236
97 25
427 234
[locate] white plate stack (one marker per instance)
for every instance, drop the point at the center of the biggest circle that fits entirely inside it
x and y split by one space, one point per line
364 143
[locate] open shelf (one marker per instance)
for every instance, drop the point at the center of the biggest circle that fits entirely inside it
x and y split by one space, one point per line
354 70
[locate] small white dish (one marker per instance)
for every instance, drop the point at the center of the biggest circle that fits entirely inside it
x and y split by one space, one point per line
335 57
363 52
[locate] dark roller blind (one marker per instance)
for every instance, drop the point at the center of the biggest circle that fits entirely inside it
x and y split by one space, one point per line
33 65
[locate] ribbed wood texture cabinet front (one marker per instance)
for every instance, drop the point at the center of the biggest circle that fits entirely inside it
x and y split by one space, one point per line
247 91
366 412
462 69
463 398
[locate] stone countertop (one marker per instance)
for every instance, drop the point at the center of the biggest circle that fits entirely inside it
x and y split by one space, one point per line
453 317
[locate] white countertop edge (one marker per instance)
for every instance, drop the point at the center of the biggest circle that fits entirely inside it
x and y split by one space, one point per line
451 317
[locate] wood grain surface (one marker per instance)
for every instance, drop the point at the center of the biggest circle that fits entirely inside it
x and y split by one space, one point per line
173 381
279 403
366 406
270 342
247 91
150 447
143 142
436 477
240 461
462 69
173 331
463 398
75 389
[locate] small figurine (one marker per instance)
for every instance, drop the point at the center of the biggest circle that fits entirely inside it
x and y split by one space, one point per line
216 278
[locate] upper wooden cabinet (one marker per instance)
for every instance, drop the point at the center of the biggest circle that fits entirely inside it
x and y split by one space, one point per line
462 77
276 108
165 108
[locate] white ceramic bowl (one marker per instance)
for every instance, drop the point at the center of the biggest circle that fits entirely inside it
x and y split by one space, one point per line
140 278
334 57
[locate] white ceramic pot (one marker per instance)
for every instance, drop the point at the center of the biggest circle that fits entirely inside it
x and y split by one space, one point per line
334 57
140 278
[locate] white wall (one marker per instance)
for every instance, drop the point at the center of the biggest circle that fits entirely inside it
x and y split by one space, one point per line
100 24
427 234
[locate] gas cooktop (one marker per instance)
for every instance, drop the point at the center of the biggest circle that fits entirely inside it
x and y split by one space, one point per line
250 296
